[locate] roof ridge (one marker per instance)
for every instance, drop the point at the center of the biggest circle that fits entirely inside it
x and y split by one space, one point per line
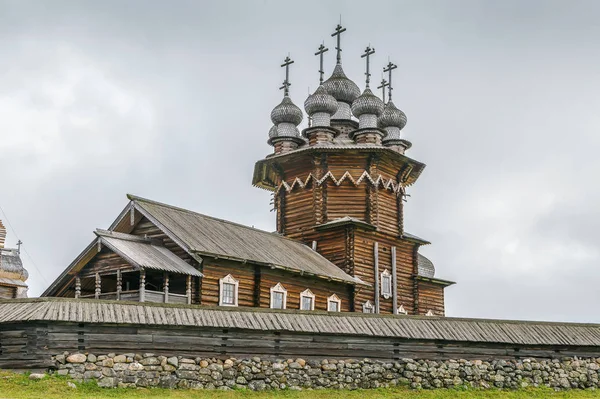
141 199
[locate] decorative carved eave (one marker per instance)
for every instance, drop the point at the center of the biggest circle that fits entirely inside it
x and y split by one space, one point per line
413 238
365 177
438 281
266 177
346 221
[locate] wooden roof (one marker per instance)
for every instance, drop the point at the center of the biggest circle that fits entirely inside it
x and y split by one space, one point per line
205 235
143 254
405 327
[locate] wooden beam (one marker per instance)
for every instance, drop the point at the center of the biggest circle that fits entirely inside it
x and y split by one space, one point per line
376 267
142 285
188 289
394 283
166 287
98 287
119 284
77 286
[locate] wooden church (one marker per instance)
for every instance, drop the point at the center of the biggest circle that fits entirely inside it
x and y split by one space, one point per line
340 244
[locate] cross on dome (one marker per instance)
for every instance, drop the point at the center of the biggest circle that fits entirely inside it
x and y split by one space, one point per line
368 52
286 83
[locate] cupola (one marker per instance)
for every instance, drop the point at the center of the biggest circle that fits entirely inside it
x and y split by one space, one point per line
286 117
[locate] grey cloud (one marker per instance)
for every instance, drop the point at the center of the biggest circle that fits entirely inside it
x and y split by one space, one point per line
172 102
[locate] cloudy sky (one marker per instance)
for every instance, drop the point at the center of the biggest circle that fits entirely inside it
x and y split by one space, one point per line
171 101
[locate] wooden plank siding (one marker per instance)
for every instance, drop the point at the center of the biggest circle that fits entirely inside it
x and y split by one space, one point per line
297 284
431 297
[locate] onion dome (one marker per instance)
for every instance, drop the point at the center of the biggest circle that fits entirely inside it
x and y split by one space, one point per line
273 132
367 104
425 267
340 87
286 112
392 117
320 102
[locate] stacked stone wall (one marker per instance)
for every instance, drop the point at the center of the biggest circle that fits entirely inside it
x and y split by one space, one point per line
149 370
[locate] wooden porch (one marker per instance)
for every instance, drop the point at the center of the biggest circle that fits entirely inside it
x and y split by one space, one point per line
119 287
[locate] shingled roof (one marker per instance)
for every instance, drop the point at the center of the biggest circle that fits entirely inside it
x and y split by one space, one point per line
208 236
357 324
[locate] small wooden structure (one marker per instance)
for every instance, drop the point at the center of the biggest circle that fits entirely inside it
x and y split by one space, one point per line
13 275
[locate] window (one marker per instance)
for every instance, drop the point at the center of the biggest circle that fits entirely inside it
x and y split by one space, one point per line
307 300
278 297
228 291
429 313
386 284
367 307
333 303
401 310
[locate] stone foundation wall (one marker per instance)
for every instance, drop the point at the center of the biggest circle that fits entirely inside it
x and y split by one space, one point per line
150 370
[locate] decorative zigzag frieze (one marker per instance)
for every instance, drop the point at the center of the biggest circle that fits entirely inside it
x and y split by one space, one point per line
378 182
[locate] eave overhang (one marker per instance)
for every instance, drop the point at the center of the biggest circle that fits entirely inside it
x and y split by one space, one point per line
265 171
438 281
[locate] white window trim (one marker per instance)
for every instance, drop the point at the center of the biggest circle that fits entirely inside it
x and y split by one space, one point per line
228 280
386 274
307 293
368 305
279 288
429 313
334 298
401 310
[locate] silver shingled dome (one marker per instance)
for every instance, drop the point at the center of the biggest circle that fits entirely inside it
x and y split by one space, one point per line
320 101
367 103
340 87
286 112
392 117
273 132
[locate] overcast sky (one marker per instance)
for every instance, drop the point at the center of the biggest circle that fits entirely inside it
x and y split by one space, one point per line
171 101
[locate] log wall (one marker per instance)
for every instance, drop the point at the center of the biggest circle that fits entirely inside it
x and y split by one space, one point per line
32 345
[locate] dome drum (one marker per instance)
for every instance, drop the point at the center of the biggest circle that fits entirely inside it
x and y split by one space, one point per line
320 134
367 136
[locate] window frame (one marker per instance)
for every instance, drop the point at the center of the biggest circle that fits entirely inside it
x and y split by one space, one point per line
368 305
430 313
229 279
401 310
307 293
279 289
334 299
386 275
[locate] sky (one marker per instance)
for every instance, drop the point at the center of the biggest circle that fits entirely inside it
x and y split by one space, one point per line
171 101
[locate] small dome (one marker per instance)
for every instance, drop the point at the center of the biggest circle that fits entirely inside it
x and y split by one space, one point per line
320 101
11 265
392 117
367 103
425 267
286 112
273 132
340 87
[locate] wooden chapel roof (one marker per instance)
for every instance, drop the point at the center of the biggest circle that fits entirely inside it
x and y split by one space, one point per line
203 235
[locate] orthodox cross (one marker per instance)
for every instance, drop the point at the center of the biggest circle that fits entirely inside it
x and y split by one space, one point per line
384 84
389 68
338 32
19 243
368 51
322 49
286 83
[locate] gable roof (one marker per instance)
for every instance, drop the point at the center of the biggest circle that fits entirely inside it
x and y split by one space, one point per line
204 235
142 253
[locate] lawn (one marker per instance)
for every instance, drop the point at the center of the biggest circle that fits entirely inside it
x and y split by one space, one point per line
17 386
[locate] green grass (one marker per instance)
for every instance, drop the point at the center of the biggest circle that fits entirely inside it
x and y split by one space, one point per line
18 386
